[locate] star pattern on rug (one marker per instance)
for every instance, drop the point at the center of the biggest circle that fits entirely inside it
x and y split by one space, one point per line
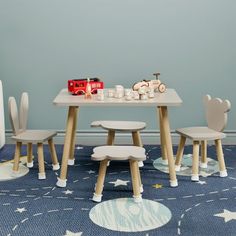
91 171
157 185
119 182
69 233
20 210
68 192
227 215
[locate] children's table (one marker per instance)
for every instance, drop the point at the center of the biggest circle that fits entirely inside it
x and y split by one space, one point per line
160 102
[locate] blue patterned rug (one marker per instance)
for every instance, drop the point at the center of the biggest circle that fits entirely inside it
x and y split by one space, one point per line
30 206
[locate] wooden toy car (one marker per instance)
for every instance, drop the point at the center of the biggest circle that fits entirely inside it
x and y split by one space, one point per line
78 86
156 84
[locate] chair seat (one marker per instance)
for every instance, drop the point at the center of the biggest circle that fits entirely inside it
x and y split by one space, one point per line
34 136
200 133
118 153
123 126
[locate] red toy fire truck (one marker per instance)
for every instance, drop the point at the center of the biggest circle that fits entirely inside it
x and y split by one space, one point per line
78 86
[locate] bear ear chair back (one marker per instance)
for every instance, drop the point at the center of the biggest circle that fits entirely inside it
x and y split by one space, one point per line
2 121
216 112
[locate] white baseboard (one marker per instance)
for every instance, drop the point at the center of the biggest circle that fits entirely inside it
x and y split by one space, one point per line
88 137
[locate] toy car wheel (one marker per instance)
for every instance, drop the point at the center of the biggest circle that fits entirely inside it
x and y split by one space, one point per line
162 88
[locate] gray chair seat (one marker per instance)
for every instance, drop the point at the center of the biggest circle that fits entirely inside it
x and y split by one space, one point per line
200 133
34 136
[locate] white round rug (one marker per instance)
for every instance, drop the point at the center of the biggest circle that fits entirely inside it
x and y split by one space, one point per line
186 166
6 171
124 215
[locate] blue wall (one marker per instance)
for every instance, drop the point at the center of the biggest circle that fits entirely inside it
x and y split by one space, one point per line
43 43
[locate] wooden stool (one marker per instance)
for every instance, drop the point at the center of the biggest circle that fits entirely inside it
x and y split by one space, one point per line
122 126
118 153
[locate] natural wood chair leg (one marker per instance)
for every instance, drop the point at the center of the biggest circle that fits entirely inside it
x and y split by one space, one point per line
29 155
97 197
53 153
220 156
17 157
180 153
195 176
110 137
162 139
203 154
135 180
41 174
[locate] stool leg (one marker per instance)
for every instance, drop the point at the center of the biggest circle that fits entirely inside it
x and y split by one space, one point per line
41 174
135 180
30 162
220 156
110 140
16 158
203 163
180 153
195 176
137 142
97 196
110 137
55 164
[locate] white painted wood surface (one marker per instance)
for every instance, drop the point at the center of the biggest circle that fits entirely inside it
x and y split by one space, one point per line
128 126
168 98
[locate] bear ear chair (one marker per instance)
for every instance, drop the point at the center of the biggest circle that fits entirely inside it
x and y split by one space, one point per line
216 117
22 135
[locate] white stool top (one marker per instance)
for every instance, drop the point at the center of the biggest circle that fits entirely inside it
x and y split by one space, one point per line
200 133
118 153
119 125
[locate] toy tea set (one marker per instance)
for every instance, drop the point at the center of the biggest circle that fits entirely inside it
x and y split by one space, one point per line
141 90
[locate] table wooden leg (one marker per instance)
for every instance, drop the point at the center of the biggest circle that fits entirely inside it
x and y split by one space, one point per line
162 139
61 182
71 160
165 128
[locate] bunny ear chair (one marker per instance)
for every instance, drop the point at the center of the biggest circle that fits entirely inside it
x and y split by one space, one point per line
22 135
216 117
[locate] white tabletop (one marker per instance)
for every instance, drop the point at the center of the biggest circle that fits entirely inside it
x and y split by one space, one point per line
168 98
